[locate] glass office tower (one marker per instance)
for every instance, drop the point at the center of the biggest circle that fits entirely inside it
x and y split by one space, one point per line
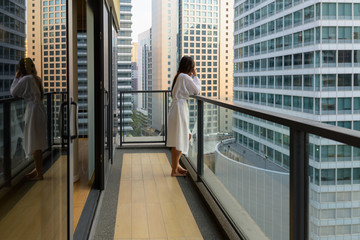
12 39
82 83
202 39
302 58
124 62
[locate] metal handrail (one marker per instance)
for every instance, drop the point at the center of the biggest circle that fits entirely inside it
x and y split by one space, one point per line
339 134
145 91
13 99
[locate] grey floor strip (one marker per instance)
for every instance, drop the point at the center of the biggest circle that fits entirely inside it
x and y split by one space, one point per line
84 224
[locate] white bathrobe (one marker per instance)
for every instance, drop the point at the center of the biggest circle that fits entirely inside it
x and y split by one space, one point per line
178 117
35 114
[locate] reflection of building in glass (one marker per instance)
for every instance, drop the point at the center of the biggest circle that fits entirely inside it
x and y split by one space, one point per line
12 42
302 59
82 83
124 63
205 33
47 42
46 45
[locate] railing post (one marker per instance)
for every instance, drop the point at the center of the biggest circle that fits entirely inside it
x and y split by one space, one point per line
49 120
165 110
121 115
299 185
7 143
200 136
63 98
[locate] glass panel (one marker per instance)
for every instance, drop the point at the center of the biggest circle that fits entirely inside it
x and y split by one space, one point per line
54 185
17 120
333 183
143 117
247 170
34 209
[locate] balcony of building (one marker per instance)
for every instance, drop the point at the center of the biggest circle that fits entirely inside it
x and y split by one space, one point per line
232 191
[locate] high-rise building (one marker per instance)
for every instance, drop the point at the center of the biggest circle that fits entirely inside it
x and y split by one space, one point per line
143 68
46 42
134 66
205 34
46 45
164 53
302 58
226 59
82 83
12 43
124 47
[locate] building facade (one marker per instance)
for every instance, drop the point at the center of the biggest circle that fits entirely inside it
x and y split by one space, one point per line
134 66
143 68
164 54
12 42
302 58
46 42
205 33
82 83
124 47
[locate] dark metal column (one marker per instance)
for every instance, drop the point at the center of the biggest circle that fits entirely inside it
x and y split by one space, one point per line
98 8
299 185
166 116
49 119
200 136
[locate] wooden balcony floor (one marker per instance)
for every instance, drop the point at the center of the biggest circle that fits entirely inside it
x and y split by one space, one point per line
142 201
151 204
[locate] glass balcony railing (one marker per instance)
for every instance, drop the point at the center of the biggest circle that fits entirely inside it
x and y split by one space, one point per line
142 117
275 176
12 156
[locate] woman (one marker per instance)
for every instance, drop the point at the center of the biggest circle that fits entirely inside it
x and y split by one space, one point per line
28 86
178 119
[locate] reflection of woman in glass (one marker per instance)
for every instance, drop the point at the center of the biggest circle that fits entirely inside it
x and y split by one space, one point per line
28 86
178 120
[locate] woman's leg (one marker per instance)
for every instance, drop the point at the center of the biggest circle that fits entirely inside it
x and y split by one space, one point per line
37 155
175 158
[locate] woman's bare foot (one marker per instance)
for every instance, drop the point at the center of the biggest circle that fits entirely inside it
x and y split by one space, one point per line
31 174
177 174
36 178
181 170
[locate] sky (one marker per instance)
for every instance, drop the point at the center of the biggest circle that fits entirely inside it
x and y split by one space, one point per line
141 17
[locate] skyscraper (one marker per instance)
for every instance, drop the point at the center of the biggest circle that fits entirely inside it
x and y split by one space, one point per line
205 33
302 58
46 45
124 46
12 43
134 66
46 42
143 67
164 32
82 83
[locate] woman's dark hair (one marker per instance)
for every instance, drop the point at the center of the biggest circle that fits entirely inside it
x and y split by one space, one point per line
186 66
27 67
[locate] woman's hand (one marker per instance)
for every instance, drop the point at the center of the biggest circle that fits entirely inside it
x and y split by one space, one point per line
194 73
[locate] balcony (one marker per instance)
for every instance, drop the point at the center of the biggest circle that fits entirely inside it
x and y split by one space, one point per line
237 187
